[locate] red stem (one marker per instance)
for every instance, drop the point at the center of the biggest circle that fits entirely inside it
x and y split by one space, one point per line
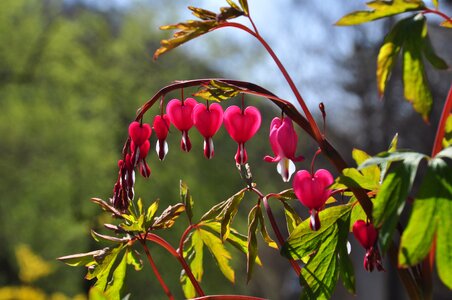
156 239
275 228
437 12
156 271
447 110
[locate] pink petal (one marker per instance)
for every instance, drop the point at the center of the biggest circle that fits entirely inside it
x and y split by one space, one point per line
139 133
208 121
180 114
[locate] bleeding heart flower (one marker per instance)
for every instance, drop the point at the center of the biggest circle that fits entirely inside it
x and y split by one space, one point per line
283 140
242 126
161 127
312 191
139 133
208 120
139 157
367 235
123 191
180 114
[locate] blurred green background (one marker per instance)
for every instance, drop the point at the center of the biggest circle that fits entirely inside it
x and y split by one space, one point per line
72 75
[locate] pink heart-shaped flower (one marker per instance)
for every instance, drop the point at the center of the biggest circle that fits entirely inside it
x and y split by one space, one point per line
139 133
180 113
208 120
161 126
313 191
365 233
241 126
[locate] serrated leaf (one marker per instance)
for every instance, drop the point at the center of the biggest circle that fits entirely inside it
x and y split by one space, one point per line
214 211
194 255
217 91
320 274
380 9
292 217
203 14
391 199
116 282
133 259
286 195
102 269
228 213
186 199
253 222
447 24
388 54
352 178
237 240
267 239
150 213
219 252
431 213
304 241
168 216
415 84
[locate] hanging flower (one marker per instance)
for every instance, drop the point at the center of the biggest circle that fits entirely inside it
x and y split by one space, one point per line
242 125
283 140
180 114
208 120
312 191
139 133
161 127
367 235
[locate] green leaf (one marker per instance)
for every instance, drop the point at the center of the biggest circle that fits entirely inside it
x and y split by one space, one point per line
219 252
98 237
194 256
388 54
133 259
218 91
286 195
228 213
323 249
187 200
346 270
233 5
150 213
415 84
304 241
103 268
435 3
431 56
237 240
267 239
203 14
390 200
214 211
168 216
292 217
116 282
358 212
352 178
431 213
380 9
253 222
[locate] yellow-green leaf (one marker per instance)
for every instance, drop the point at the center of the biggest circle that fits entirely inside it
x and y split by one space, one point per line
447 140
447 24
380 9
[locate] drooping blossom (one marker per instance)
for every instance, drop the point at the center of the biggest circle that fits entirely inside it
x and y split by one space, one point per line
208 120
139 146
123 190
283 140
367 235
312 191
180 115
161 127
241 125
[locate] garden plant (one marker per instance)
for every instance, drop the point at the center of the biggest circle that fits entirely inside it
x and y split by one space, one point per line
364 202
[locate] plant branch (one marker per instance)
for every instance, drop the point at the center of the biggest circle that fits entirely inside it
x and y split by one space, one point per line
275 228
157 239
156 271
436 12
